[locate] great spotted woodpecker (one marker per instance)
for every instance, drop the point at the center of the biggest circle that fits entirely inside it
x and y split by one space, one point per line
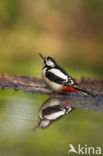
57 78
51 110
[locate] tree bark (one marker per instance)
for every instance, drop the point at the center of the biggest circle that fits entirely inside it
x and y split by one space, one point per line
37 85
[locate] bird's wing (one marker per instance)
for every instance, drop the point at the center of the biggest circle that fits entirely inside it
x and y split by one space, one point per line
60 76
56 76
53 112
71 82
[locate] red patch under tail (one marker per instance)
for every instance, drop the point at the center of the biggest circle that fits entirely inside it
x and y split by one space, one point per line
69 89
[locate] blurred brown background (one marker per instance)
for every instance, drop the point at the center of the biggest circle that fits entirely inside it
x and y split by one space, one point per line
70 31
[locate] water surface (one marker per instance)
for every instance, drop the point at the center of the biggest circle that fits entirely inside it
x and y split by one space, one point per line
19 115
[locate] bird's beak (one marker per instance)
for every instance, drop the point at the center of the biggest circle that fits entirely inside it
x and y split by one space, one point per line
43 57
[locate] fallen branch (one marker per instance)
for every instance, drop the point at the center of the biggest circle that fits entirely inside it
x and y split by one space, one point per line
36 84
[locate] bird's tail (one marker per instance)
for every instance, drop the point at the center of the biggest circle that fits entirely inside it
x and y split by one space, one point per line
85 92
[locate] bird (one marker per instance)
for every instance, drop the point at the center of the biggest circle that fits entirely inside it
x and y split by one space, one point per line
57 79
52 110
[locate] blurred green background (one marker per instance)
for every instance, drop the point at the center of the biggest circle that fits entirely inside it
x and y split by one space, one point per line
70 31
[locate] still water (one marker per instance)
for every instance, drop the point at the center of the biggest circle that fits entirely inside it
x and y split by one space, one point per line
35 124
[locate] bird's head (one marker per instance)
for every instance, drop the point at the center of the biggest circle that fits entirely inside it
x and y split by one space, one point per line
48 61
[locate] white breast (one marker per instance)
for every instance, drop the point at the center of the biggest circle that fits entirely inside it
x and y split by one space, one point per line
52 85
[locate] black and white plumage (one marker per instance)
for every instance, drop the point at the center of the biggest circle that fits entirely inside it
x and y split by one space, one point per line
52 110
57 78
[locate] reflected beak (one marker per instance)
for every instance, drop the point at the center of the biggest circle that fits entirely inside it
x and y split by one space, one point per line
43 57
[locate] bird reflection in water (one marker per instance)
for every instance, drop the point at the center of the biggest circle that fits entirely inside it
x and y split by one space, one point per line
53 109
